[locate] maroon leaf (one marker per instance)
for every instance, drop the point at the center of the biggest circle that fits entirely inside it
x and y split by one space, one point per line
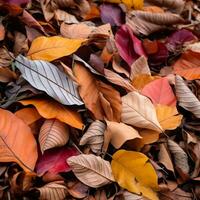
129 46
112 14
178 38
17 2
54 160
97 63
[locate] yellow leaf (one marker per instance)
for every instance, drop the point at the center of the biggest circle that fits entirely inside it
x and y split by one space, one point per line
50 109
133 172
52 48
136 4
141 80
168 117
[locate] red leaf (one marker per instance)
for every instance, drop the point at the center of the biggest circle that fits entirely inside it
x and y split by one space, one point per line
129 46
160 92
17 2
111 14
54 160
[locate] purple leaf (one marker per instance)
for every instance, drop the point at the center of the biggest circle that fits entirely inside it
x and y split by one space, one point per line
129 46
112 14
178 38
54 160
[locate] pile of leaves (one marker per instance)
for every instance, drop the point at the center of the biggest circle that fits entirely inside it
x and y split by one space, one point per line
100 100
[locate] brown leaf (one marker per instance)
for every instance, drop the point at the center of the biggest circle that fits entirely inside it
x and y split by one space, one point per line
101 99
6 75
5 58
21 44
65 17
53 133
2 32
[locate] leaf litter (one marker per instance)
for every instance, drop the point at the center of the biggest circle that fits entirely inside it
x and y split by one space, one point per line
99 100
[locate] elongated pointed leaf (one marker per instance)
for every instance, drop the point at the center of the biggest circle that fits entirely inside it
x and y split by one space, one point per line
48 78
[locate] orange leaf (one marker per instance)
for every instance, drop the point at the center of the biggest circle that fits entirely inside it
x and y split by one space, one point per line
16 141
160 92
188 65
28 115
153 9
50 109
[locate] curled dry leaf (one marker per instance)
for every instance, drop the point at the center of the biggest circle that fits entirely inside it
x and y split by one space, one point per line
180 157
62 15
5 58
137 110
53 191
101 99
94 136
6 75
133 172
48 78
186 98
118 133
50 109
53 133
168 117
147 23
91 170
52 48
21 44
140 66
130 196
28 115
188 65
12 149
160 92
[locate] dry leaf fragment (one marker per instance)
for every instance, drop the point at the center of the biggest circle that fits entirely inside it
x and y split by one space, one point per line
118 133
137 110
6 75
53 191
53 133
52 48
133 172
130 196
94 136
180 157
168 117
15 137
62 15
186 98
135 4
91 170
50 109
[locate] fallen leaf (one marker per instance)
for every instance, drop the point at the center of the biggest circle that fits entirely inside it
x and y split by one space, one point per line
6 75
186 98
54 160
50 109
137 110
150 47
48 78
53 191
52 48
94 136
188 65
12 149
160 92
91 170
28 115
131 169
5 58
64 16
2 32
53 133
153 9
135 4
168 117
130 196
118 133
129 46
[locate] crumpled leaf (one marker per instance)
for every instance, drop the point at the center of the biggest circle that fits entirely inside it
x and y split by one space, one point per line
137 110
160 92
176 41
180 157
186 98
94 136
17 150
50 109
129 46
47 77
118 133
54 160
52 48
91 170
168 117
53 191
147 22
133 172
53 133
111 14
187 65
